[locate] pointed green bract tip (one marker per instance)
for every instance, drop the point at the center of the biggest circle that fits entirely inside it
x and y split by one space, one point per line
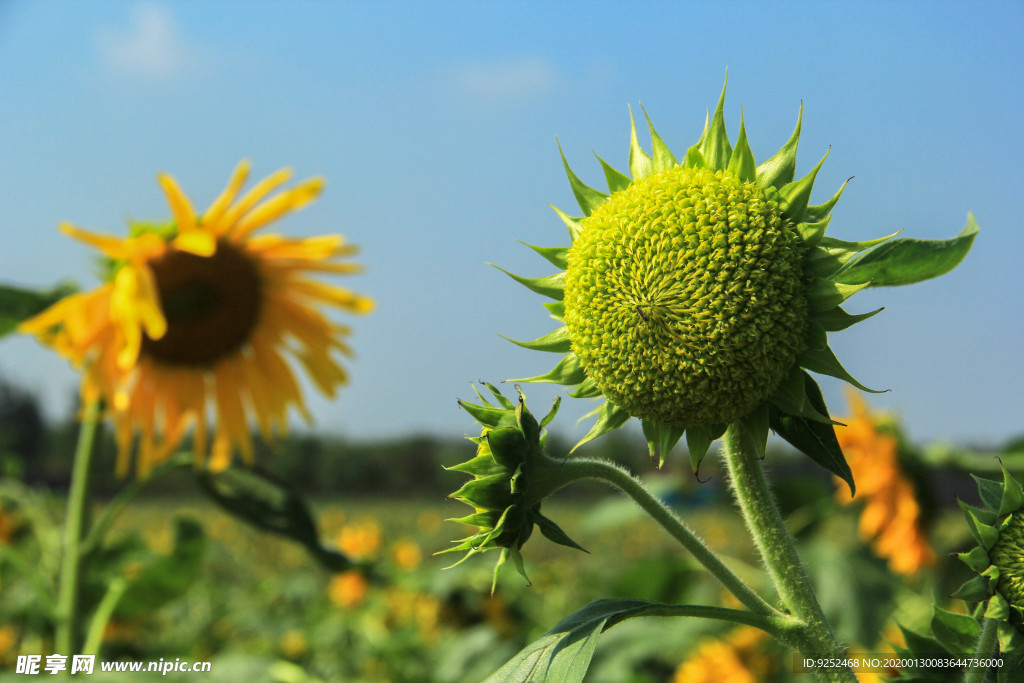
685 298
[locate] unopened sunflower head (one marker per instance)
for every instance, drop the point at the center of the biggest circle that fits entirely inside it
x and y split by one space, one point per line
698 290
199 315
998 559
507 487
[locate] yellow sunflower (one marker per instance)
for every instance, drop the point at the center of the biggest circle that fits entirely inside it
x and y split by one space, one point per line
199 317
891 518
738 657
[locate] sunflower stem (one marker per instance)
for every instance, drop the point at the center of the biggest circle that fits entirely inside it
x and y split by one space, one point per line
559 474
778 552
68 636
986 646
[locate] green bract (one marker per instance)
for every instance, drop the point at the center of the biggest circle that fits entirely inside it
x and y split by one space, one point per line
508 483
696 293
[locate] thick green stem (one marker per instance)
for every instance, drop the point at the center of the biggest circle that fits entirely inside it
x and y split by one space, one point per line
68 636
778 551
558 474
986 646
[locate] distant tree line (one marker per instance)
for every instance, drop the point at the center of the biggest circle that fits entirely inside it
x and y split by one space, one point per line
319 464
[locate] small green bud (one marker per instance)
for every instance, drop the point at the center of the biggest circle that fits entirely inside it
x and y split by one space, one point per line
506 491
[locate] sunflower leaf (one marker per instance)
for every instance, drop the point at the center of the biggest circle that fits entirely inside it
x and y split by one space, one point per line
270 504
824 294
906 261
956 632
824 362
836 319
18 305
553 532
552 286
821 211
661 439
755 424
716 148
641 164
617 181
780 169
796 194
609 418
556 341
698 442
575 229
556 256
568 372
741 163
814 439
663 158
587 197
563 654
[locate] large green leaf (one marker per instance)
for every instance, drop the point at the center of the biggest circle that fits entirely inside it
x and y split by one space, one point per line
18 305
906 261
814 439
563 654
269 503
169 576
956 632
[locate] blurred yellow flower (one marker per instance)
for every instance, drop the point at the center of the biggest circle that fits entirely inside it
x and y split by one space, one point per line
890 520
411 608
7 527
8 644
407 554
348 589
294 644
735 658
360 539
199 316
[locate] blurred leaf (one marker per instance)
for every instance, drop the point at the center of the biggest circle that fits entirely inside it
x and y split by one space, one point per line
18 305
270 504
563 654
167 577
839 571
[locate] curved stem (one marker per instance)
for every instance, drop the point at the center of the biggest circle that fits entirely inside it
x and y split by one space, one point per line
558 474
778 551
67 617
777 626
986 646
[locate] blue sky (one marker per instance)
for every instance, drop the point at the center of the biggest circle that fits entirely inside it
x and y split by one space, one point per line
435 125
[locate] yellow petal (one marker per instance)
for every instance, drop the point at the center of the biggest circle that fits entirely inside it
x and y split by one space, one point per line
114 247
252 197
198 242
335 296
272 209
216 211
181 207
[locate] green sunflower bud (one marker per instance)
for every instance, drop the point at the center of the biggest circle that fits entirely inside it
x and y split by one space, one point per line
684 297
508 483
698 291
998 559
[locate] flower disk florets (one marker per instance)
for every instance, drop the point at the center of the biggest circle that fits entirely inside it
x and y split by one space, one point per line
1008 556
685 299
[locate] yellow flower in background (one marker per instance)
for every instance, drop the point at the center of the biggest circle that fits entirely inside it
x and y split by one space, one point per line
348 589
891 518
735 658
406 554
360 539
200 315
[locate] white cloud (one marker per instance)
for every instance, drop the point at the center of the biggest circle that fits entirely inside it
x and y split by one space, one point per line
150 47
499 82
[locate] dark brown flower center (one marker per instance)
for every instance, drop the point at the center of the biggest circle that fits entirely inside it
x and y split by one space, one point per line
211 305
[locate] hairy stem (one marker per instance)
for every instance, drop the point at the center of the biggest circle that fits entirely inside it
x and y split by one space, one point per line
68 637
984 649
560 474
779 552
